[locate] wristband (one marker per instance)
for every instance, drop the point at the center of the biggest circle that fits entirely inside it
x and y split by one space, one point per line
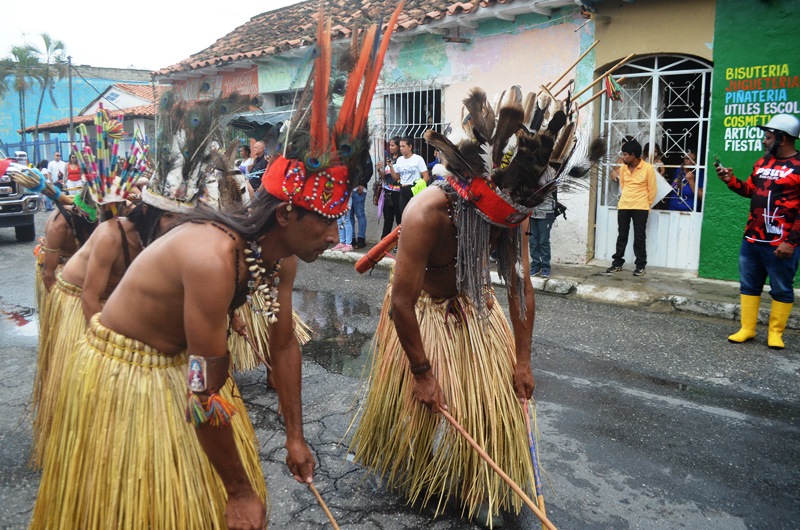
419 369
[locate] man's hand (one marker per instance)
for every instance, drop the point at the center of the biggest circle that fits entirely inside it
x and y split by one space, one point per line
784 250
427 390
245 512
523 382
238 325
300 461
725 174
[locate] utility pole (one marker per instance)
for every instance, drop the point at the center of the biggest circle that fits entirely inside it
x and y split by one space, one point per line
71 127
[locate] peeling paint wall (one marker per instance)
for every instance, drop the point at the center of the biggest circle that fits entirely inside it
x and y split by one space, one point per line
530 51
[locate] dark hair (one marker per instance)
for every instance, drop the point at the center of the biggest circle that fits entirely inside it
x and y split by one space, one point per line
408 140
396 140
146 219
42 164
633 148
246 149
250 223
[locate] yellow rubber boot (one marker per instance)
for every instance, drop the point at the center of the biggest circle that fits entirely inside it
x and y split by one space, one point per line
749 318
778 316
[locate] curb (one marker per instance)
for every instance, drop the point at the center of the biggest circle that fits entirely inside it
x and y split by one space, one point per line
583 289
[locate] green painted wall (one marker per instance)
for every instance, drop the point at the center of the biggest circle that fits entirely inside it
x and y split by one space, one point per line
756 73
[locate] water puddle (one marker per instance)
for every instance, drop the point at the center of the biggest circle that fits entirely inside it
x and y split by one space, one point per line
342 329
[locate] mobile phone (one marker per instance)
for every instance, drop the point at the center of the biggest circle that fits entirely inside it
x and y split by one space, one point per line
717 163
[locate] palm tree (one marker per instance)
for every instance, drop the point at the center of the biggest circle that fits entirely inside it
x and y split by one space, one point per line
52 66
23 69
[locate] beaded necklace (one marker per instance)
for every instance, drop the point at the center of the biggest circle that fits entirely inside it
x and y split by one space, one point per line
262 284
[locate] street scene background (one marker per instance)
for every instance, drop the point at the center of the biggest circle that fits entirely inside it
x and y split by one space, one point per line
648 419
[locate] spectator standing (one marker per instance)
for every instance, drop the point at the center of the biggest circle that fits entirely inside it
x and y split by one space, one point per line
75 178
687 182
42 167
637 180
247 160
391 189
357 212
654 158
259 165
772 233
407 170
542 219
58 169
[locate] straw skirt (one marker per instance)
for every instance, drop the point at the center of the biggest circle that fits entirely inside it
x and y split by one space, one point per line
64 326
419 453
243 356
121 454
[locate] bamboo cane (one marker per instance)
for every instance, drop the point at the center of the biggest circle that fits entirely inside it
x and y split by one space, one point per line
545 521
324 506
608 73
594 97
552 85
537 479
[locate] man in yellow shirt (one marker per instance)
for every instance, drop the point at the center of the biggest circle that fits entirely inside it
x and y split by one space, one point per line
637 180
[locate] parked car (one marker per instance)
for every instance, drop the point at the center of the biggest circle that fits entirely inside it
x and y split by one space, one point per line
17 204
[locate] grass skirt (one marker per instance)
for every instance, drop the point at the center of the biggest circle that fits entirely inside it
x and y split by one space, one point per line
418 452
243 356
64 327
121 454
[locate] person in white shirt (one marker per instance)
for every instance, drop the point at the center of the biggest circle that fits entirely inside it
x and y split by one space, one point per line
57 168
407 170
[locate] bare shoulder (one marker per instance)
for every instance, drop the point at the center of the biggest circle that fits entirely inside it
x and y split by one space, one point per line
200 247
428 208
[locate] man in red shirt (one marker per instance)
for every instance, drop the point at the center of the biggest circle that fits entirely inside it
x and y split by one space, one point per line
772 232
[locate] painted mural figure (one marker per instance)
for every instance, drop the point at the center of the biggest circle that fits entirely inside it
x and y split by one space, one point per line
769 248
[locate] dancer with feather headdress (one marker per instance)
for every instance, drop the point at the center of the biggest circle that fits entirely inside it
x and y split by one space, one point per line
442 338
151 430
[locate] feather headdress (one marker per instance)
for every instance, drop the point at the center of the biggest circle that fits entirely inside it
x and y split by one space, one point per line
183 155
110 175
514 156
319 163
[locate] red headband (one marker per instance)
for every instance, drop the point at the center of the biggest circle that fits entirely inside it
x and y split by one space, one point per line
484 195
325 192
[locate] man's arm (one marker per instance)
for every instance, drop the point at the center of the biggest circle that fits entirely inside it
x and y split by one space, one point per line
105 250
205 323
745 189
53 241
523 329
652 185
286 365
409 276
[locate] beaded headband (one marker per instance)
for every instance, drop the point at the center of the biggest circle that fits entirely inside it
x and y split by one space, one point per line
325 192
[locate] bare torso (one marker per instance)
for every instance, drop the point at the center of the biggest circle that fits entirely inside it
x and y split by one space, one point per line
151 301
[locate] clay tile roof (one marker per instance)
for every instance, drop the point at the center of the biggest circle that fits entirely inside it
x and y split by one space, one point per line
295 26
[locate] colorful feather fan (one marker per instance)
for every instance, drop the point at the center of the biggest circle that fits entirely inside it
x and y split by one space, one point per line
613 89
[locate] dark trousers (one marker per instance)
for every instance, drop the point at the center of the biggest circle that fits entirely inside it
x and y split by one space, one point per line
391 211
624 218
405 197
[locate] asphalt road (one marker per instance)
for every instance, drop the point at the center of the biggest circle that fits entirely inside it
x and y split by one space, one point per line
648 420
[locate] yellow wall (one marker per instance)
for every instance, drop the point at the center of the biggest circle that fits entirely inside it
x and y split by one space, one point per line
654 26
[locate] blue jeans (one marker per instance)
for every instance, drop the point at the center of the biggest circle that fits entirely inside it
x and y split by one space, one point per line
48 203
539 243
357 212
345 227
757 261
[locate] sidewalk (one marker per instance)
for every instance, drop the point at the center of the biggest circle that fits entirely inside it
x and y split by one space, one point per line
659 287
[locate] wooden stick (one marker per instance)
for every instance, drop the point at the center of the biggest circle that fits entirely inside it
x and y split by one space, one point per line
608 73
537 480
552 85
376 253
324 506
594 97
545 521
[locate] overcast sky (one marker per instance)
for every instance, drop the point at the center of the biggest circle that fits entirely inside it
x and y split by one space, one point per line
145 34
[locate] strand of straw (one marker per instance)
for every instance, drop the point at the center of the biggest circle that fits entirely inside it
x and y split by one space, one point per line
324 506
594 97
551 86
545 521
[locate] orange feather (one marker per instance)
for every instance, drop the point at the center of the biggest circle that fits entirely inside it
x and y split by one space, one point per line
322 75
346 118
371 82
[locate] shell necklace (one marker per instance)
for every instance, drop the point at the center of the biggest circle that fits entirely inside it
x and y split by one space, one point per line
262 287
